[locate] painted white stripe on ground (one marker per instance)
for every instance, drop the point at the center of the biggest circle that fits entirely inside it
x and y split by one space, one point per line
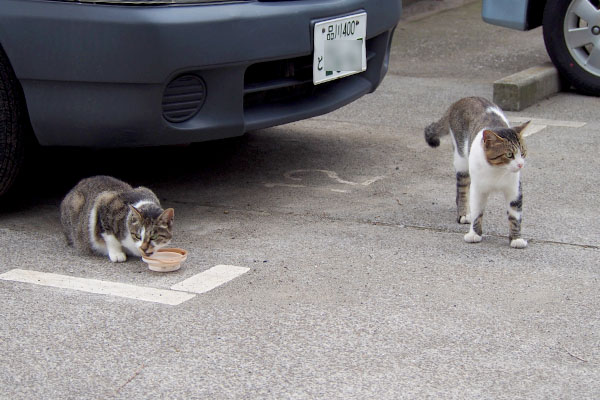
162 296
210 279
548 122
331 174
339 191
372 180
533 128
272 185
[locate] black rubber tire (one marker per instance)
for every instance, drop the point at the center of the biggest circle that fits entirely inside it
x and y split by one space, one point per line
12 126
554 38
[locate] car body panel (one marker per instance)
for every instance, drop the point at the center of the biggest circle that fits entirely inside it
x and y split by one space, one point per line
515 14
94 75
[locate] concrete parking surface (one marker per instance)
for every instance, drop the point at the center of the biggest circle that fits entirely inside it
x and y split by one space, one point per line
359 284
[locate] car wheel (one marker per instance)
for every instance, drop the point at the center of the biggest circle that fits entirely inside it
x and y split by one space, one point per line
12 125
572 38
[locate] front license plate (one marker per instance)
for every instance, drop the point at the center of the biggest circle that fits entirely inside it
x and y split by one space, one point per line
339 47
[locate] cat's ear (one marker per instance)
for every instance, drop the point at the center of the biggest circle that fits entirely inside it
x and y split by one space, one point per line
490 138
521 128
167 217
135 212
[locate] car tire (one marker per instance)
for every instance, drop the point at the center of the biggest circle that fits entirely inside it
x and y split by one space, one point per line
571 44
12 126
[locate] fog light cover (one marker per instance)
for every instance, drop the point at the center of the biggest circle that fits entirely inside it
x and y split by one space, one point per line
183 97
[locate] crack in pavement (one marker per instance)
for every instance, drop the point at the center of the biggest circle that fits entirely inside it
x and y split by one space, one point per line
375 223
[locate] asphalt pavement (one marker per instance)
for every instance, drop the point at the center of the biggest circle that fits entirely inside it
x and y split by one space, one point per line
359 283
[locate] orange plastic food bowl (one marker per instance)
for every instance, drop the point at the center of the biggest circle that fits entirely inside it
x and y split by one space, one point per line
166 260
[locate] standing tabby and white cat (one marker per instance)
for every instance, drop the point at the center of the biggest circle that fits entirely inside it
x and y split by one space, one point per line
104 215
488 157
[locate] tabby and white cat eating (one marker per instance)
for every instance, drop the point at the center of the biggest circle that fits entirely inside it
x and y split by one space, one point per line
107 216
488 157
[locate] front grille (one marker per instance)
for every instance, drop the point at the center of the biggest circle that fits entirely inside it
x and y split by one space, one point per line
279 80
282 81
183 98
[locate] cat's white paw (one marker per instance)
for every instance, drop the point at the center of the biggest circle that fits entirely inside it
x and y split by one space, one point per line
117 256
519 243
472 237
464 220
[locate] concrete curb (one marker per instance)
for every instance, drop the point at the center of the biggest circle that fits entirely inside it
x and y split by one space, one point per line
519 91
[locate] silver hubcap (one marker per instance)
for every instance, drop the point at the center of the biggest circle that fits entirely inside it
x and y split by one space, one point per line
582 34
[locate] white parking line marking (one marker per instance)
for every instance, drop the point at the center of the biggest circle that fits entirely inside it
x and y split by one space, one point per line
538 124
210 279
162 296
330 174
339 191
550 122
272 185
372 180
533 128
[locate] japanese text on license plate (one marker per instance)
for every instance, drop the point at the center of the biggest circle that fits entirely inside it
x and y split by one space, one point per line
339 47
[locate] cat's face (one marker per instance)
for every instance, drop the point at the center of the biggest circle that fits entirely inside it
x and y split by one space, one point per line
505 148
150 230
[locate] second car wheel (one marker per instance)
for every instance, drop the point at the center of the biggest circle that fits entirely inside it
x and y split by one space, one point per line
572 38
12 125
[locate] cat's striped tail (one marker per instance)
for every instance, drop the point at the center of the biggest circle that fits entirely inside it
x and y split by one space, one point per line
434 131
